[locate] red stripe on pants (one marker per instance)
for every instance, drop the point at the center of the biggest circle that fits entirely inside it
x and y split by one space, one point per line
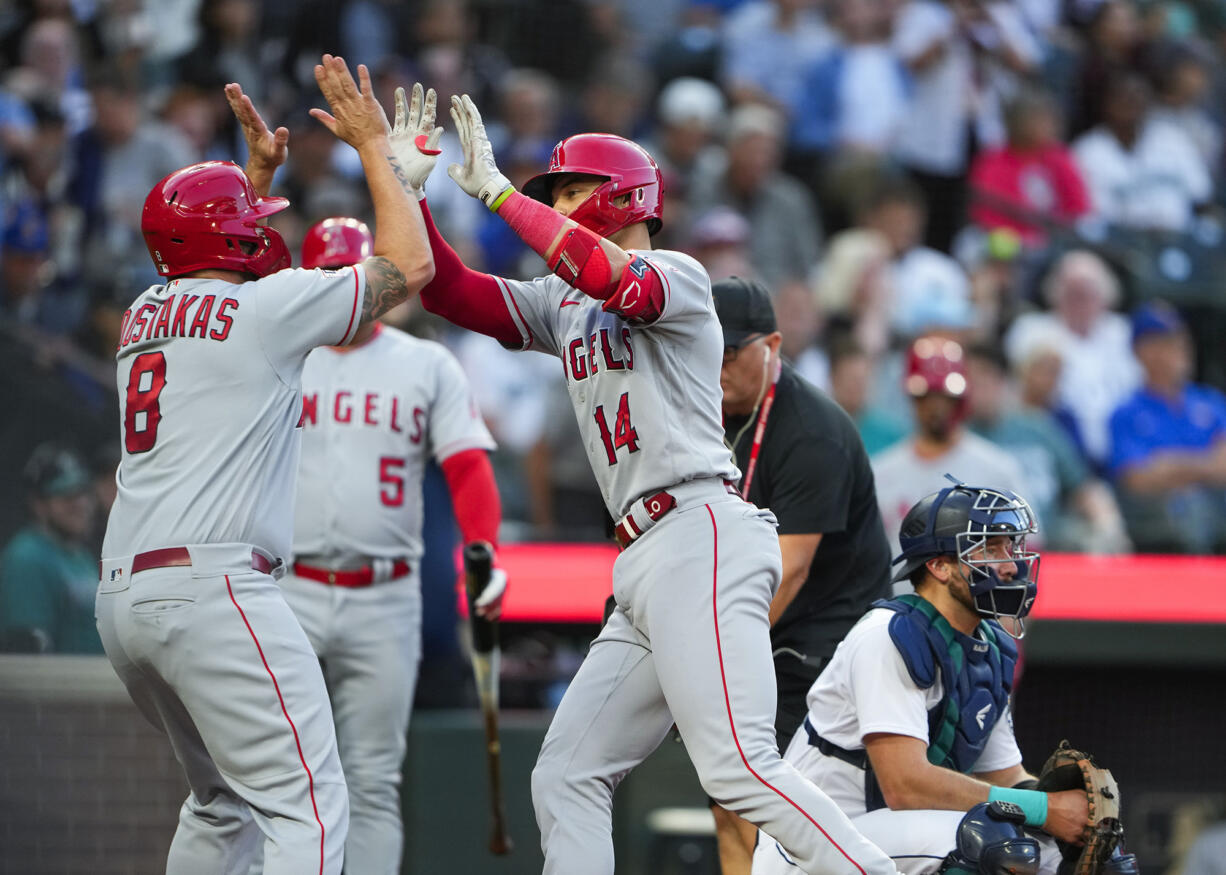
728 701
281 699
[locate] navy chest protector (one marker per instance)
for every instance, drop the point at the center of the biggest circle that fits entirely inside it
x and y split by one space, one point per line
976 674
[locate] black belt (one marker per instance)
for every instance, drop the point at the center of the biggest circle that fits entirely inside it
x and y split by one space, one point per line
857 758
873 797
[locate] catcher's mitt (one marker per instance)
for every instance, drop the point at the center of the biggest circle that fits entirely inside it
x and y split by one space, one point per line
1071 769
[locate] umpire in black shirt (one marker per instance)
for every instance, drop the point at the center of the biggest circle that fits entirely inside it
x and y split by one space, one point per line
801 456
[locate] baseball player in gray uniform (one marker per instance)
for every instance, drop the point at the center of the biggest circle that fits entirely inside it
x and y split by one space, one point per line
209 367
373 414
688 642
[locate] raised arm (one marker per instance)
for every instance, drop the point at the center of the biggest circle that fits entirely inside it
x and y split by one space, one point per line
402 263
594 265
266 150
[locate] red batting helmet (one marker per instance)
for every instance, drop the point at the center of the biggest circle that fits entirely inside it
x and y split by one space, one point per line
935 365
628 169
208 216
336 242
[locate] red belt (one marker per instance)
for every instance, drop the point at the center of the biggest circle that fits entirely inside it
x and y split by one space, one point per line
176 557
627 531
353 577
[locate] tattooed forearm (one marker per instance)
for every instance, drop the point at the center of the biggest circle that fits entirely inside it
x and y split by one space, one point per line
400 174
385 287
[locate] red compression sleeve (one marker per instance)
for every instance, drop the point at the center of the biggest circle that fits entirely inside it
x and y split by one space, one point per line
474 495
576 255
463 296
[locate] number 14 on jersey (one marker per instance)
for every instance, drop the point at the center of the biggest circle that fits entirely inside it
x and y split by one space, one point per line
623 433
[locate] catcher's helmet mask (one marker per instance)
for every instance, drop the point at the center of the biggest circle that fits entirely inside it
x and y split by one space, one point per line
959 521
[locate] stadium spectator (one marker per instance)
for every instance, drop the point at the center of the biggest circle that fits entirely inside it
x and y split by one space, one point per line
785 236
851 372
964 56
51 69
935 379
1099 369
25 246
768 47
48 571
852 287
1075 510
196 114
926 287
617 97
530 103
1141 172
1031 181
689 113
1183 90
1168 443
1114 46
229 49
1038 381
719 239
855 97
115 162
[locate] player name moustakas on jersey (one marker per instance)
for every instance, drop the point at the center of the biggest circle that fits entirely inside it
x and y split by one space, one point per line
647 398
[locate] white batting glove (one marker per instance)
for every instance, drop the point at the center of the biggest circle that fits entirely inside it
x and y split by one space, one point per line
479 176
414 137
489 602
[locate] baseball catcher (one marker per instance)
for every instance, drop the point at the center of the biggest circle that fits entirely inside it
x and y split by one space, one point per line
909 727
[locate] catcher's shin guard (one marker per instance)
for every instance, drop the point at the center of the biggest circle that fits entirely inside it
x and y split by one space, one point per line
1122 864
991 841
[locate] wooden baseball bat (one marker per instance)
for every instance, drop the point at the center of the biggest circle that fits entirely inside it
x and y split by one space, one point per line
478 563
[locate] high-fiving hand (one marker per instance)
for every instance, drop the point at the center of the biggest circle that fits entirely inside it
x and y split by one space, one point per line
266 149
479 175
414 138
356 117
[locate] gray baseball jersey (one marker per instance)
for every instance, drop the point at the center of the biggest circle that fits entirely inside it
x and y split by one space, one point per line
647 407
372 417
689 639
208 375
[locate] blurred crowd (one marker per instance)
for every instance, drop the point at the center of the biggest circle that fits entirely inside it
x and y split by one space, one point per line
1033 188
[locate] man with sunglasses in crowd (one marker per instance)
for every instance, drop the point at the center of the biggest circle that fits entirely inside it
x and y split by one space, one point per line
801 456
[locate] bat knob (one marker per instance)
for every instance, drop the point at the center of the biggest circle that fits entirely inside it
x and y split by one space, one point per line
501 845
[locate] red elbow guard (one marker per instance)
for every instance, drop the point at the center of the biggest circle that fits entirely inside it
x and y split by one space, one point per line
639 297
581 261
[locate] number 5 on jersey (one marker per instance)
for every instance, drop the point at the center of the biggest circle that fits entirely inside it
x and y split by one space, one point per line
623 434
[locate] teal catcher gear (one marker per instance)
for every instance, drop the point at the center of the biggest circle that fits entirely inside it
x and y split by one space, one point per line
976 677
958 521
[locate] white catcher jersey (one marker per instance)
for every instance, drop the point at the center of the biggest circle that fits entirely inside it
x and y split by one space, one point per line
647 397
372 416
209 385
866 689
